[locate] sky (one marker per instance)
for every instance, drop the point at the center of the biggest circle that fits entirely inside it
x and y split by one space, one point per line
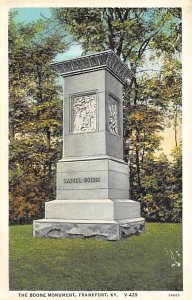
30 14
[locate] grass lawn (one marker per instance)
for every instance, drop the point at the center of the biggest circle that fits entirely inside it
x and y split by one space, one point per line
147 262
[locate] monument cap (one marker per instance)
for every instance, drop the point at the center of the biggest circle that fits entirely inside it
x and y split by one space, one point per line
101 60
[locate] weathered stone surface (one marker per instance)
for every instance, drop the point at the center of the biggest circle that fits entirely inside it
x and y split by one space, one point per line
103 231
132 228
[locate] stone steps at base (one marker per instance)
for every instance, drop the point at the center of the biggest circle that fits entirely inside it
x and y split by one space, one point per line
101 209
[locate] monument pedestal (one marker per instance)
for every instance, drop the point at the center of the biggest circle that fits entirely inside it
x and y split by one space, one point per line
98 229
92 199
83 207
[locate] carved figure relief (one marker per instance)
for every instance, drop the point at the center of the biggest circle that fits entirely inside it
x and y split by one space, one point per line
113 110
84 113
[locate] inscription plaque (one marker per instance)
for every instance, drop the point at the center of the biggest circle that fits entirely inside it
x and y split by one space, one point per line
84 113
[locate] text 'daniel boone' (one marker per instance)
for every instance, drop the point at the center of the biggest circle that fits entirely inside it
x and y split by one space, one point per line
84 113
81 180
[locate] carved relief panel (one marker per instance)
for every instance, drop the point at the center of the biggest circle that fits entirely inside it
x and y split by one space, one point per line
84 113
113 115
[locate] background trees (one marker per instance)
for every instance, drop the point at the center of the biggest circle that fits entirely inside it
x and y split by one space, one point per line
149 41
35 119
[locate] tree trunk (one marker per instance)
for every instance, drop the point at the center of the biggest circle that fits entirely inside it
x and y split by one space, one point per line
11 132
175 127
48 138
138 171
48 141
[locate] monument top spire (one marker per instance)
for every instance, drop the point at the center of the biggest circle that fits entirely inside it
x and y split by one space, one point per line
102 60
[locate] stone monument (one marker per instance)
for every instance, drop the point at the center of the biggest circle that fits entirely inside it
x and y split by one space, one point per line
92 198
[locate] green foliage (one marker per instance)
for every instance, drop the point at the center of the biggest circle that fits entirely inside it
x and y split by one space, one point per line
161 188
35 114
139 263
127 31
32 178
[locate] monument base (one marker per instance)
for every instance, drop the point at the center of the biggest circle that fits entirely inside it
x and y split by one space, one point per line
106 219
97 229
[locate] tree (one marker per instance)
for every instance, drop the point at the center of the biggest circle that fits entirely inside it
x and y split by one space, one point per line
171 94
156 204
176 183
35 118
129 32
161 194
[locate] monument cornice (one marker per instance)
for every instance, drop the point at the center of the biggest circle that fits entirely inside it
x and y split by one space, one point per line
102 60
